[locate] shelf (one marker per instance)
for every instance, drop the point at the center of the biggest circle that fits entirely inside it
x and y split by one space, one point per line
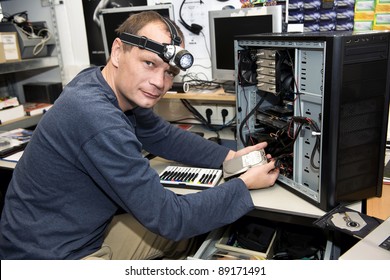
207 95
7 165
23 122
28 64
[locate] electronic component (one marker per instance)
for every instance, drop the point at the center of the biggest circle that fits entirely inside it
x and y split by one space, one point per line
239 165
266 72
190 177
35 42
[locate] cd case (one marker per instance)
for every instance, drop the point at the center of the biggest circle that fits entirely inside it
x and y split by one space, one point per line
348 221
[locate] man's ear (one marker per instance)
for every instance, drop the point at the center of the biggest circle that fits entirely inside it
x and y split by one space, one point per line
116 50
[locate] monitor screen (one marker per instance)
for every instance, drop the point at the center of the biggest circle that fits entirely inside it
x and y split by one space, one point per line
226 24
111 19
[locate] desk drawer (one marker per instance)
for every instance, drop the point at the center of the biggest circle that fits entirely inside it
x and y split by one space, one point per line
225 244
208 248
289 241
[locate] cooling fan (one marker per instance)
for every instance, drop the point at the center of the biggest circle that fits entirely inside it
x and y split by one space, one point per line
284 76
247 67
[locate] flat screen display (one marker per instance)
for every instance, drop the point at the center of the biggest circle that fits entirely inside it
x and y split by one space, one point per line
226 24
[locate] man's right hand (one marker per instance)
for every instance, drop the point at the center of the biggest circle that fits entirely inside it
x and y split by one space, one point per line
260 176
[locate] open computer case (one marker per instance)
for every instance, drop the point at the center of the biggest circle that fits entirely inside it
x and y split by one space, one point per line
321 101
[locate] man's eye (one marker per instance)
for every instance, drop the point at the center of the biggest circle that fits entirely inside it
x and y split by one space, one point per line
171 74
174 71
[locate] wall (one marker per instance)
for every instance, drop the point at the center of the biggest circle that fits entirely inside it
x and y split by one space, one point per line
199 45
73 39
72 32
69 18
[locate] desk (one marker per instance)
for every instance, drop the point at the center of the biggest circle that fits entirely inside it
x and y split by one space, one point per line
275 203
275 199
205 95
23 122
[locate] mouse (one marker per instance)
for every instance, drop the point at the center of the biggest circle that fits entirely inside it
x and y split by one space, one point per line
215 140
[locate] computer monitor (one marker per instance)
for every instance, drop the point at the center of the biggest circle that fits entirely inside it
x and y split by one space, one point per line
111 19
226 24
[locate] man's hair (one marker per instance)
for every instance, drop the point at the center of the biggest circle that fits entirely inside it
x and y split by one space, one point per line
135 22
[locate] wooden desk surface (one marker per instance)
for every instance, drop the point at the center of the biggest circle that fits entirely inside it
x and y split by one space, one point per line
379 207
208 95
275 199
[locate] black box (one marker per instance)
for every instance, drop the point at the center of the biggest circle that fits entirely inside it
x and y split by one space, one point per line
42 92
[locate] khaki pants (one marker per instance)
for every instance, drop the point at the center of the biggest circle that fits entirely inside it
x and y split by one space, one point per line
127 239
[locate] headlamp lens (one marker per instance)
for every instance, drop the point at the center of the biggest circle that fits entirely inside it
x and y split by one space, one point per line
183 59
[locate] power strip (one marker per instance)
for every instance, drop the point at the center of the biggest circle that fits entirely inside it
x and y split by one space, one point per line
216 114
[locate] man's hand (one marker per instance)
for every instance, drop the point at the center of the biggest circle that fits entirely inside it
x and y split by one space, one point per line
257 177
246 150
260 176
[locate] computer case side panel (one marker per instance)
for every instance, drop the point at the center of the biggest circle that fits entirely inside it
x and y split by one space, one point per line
330 124
355 112
364 112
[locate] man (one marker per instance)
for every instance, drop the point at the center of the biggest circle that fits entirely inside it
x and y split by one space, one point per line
84 162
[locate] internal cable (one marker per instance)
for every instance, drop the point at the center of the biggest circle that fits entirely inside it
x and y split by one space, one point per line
252 112
317 132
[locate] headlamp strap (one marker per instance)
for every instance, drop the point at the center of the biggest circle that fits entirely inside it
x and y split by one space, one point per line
176 39
142 42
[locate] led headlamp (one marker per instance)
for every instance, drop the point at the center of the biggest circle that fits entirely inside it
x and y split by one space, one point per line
172 54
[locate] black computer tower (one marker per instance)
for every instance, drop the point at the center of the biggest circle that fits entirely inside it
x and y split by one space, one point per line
321 101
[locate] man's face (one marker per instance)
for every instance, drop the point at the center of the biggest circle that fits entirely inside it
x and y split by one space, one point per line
142 77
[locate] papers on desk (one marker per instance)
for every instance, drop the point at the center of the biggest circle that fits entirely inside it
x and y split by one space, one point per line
14 141
14 157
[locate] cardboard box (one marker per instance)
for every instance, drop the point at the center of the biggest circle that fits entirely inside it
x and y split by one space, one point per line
9 47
